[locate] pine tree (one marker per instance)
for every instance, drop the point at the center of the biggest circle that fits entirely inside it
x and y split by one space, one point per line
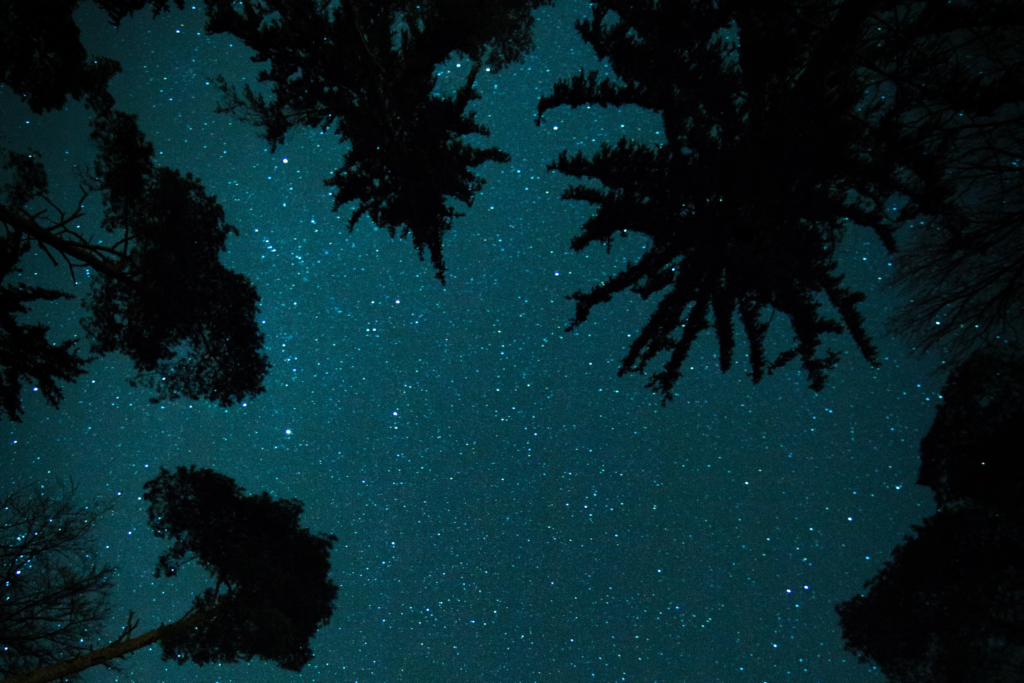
766 161
366 69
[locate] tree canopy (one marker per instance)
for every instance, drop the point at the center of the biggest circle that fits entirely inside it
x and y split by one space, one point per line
948 605
366 69
271 588
160 294
785 125
272 592
971 454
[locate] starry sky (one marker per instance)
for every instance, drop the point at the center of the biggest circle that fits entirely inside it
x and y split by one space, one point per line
508 509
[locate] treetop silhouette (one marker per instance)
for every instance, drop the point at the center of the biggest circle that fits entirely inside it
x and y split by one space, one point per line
949 604
160 294
763 168
367 70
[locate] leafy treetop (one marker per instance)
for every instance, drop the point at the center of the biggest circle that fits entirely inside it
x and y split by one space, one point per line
272 588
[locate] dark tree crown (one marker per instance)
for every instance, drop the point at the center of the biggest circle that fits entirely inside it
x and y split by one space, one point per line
949 605
160 295
367 71
273 590
971 454
187 322
767 159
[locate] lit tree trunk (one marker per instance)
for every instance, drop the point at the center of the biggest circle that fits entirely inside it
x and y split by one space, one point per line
117 649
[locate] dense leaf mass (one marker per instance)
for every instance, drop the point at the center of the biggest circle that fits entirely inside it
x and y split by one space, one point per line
367 70
272 590
972 451
161 295
947 607
187 322
42 58
766 160
949 604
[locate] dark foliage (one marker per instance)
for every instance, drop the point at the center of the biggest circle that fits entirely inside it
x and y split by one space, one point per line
972 452
186 321
55 593
26 355
161 295
953 73
762 168
42 58
366 69
948 606
272 589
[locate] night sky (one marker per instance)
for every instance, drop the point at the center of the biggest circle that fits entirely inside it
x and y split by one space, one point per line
508 509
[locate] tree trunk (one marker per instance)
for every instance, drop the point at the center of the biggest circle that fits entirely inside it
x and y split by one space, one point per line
118 648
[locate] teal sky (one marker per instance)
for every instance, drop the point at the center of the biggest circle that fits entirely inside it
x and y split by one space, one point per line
509 509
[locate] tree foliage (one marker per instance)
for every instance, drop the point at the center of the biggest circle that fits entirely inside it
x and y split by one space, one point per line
272 592
367 70
26 355
187 322
762 168
160 294
55 591
783 125
949 604
970 454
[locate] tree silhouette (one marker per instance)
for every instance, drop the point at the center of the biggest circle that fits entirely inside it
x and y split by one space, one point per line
42 58
271 589
55 593
763 166
188 322
160 294
971 453
367 70
949 605
953 74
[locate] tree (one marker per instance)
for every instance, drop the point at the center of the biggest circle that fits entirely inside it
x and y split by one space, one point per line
971 454
55 592
367 70
953 74
763 167
271 588
160 294
949 604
